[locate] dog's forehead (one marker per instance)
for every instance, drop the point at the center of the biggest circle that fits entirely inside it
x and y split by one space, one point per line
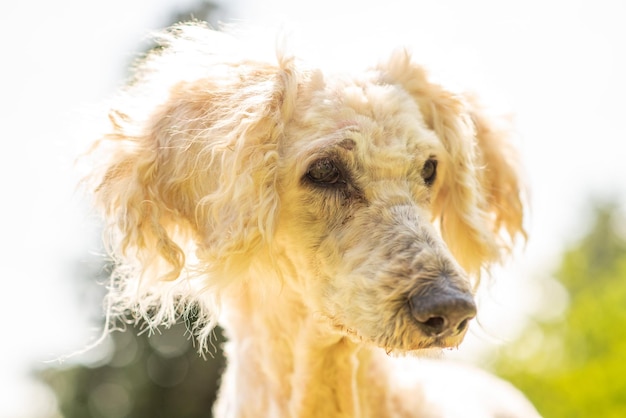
382 116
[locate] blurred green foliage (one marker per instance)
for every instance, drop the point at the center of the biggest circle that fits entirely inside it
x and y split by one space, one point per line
141 376
574 364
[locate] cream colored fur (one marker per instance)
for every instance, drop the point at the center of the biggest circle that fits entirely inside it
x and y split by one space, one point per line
205 186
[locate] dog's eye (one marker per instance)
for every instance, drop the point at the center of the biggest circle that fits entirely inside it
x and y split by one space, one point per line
324 171
429 171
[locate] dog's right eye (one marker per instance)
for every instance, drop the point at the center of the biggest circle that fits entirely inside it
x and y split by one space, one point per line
324 171
429 171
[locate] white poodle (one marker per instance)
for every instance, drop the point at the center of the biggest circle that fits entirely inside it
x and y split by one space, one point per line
325 221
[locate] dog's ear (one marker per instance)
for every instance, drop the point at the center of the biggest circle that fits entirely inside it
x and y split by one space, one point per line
477 200
196 175
499 171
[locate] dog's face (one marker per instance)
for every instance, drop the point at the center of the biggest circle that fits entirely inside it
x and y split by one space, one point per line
376 197
358 175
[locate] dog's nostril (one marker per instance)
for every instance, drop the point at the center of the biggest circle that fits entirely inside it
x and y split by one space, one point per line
436 324
462 325
442 310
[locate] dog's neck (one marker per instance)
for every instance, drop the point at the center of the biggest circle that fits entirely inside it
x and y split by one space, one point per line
288 363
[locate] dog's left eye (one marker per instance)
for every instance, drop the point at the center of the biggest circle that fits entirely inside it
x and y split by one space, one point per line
429 171
323 171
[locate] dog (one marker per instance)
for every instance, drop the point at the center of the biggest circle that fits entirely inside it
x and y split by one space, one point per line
334 225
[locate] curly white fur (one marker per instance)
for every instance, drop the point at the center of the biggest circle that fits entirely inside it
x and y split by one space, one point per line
206 184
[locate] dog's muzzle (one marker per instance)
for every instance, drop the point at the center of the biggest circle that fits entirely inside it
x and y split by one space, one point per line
442 310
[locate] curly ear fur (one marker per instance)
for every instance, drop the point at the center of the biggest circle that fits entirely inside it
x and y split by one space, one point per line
499 174
195 174
479 193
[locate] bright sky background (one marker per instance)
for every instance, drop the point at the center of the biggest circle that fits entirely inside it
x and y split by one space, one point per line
558 65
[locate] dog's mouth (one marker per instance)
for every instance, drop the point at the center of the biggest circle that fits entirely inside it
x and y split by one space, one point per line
420 343
416 340
413 339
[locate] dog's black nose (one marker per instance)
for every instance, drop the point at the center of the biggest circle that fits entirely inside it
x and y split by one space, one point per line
442 310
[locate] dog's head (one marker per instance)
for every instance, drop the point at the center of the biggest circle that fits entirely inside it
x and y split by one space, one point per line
376 195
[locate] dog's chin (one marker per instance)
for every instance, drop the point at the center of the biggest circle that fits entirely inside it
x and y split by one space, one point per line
428 347
441 343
